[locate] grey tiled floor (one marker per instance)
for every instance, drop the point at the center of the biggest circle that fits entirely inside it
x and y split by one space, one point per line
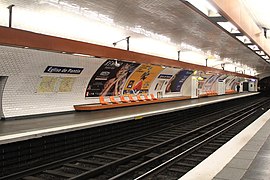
253 160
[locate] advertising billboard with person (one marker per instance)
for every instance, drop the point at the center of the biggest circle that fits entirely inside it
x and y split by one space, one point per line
110 78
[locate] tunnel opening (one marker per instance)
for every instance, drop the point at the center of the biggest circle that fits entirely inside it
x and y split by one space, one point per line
3 80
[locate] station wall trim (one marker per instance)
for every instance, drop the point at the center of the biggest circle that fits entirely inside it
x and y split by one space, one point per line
22 38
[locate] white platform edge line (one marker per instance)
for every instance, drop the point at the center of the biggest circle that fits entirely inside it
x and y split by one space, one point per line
212 165
48 131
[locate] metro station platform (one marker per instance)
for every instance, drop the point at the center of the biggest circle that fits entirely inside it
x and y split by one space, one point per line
246 156
27 128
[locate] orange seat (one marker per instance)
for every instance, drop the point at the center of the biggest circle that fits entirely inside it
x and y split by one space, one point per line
153 97
122 98
146 97
102 100
113 100
131 98
139 97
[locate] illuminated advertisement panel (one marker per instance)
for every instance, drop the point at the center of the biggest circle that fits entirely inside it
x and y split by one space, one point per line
110 78
177 81
141 79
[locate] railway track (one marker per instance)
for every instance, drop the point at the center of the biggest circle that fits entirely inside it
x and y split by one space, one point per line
181 159
140 156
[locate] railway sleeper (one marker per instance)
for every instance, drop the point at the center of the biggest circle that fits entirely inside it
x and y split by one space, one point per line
160 137
139 146
164 177
32 178
58 173
76 166
153 139
192 159
91 162
190 164
204 151
132 150
176 131
169 135
109 158
118 153
178 170
151 155
216 144
222 140
209 148
71 170
228 135
113 155
146 142
182 168
200 155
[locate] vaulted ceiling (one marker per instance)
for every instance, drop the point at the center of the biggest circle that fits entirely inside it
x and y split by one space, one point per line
171 19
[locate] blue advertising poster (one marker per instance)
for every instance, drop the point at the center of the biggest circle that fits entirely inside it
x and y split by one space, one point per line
110 78
176 82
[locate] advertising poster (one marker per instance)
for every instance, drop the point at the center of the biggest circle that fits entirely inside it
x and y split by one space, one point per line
66 84
110 78
208 84
141 79
50 84
228 81
47 84
235 83
177 81
161 81
222 77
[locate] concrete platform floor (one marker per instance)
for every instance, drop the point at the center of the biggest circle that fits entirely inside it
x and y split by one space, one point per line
245 157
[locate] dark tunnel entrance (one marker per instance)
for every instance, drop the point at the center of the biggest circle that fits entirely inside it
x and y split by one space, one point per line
264 86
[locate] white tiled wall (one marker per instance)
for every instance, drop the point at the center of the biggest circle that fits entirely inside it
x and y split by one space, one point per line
25 67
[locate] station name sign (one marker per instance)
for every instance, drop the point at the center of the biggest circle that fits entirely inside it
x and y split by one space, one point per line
165 76
63 70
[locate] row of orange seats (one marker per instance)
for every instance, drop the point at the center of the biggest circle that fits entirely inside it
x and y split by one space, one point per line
211 93
230 91
130 99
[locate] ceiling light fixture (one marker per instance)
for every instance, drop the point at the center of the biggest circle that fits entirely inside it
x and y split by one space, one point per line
261 53
244 39
205 7
265 57
228 26
253 47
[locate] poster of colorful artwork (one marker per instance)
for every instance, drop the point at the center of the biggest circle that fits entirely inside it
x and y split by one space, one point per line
110 78
177 81
141 79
